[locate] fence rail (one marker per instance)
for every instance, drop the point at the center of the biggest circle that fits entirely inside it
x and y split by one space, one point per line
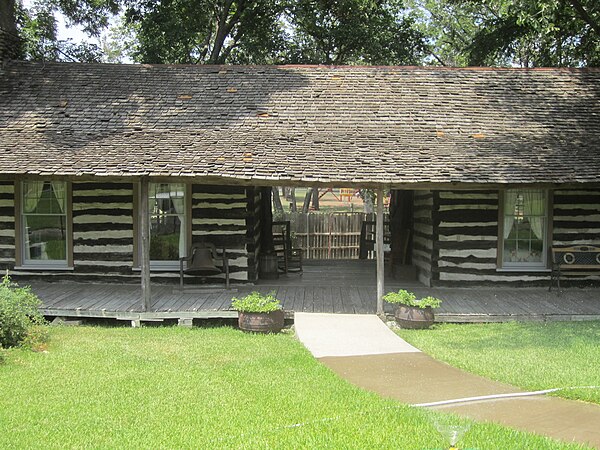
331 235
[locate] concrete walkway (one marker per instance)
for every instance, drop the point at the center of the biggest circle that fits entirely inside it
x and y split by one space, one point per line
347 335
363 350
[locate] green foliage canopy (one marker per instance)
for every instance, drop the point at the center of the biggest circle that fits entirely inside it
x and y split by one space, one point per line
526 33
204 31
352 32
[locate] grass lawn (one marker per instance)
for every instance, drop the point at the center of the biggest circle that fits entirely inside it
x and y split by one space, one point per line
531 355
205 388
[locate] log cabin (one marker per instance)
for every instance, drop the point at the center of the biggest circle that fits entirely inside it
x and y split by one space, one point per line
493 166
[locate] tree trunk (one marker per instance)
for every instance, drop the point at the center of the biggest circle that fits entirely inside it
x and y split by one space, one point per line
9 37
585 15
277 201
293 204
368 201
315 198
307 198
225 24
287 193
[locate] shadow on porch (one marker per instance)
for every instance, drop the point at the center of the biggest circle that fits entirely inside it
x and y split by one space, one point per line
347 287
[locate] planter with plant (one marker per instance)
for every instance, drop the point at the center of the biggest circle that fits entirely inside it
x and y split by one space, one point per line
413 313
259 313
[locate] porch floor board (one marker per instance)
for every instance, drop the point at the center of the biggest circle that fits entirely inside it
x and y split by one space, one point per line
345 287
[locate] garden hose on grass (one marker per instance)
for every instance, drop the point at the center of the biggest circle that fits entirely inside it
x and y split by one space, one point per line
500 396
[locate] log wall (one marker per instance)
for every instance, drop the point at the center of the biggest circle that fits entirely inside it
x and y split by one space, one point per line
104 231
423 233
219 215
466 243
455 233
253 229
7 224
576 217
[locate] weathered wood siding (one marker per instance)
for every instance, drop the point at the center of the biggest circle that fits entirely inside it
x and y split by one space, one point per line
102 235
423 234
253 229
7 225
103 229
576 217
466 238
577 220
219 215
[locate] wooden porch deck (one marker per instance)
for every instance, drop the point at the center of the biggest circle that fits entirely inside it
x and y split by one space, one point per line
345 287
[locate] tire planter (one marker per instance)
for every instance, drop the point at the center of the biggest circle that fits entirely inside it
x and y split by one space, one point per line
413 317
271 322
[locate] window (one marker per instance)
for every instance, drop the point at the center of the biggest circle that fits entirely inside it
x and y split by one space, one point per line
168 224
44 222
525 228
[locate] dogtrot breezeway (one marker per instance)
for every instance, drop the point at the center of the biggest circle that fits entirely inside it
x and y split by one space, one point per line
347 287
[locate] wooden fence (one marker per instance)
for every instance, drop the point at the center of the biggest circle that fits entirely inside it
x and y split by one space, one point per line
330 235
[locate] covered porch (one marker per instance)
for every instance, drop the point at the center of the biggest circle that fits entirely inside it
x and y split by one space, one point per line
343 287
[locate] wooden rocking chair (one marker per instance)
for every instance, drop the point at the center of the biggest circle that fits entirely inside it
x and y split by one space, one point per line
290 258
202 257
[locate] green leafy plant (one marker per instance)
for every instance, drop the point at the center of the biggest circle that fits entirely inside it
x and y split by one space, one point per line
256 302
19 315
408 298
402 296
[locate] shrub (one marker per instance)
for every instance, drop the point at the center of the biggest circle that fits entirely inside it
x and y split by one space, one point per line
256 302
19 314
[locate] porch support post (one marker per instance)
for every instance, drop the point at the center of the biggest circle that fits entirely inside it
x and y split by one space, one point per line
144 243
379 252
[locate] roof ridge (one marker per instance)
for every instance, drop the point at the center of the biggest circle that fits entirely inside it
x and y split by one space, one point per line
317 66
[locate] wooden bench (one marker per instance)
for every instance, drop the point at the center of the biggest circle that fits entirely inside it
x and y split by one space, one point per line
575 260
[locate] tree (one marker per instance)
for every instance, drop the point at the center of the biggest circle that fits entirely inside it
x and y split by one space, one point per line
205 31
37 28
528 33
273 31
8 28
230 31
352 32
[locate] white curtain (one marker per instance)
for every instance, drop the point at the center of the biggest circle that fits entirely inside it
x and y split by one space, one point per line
534 205
510 202
32 194
59 189
179 205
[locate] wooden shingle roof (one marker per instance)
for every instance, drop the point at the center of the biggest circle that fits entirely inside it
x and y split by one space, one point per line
301 124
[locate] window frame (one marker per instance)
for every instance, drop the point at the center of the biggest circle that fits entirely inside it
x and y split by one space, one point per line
157 265
21 262
501 265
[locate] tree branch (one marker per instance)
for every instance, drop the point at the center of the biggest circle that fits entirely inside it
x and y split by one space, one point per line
438 59
583 14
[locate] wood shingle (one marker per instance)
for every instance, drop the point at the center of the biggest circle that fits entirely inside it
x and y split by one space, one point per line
301 124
